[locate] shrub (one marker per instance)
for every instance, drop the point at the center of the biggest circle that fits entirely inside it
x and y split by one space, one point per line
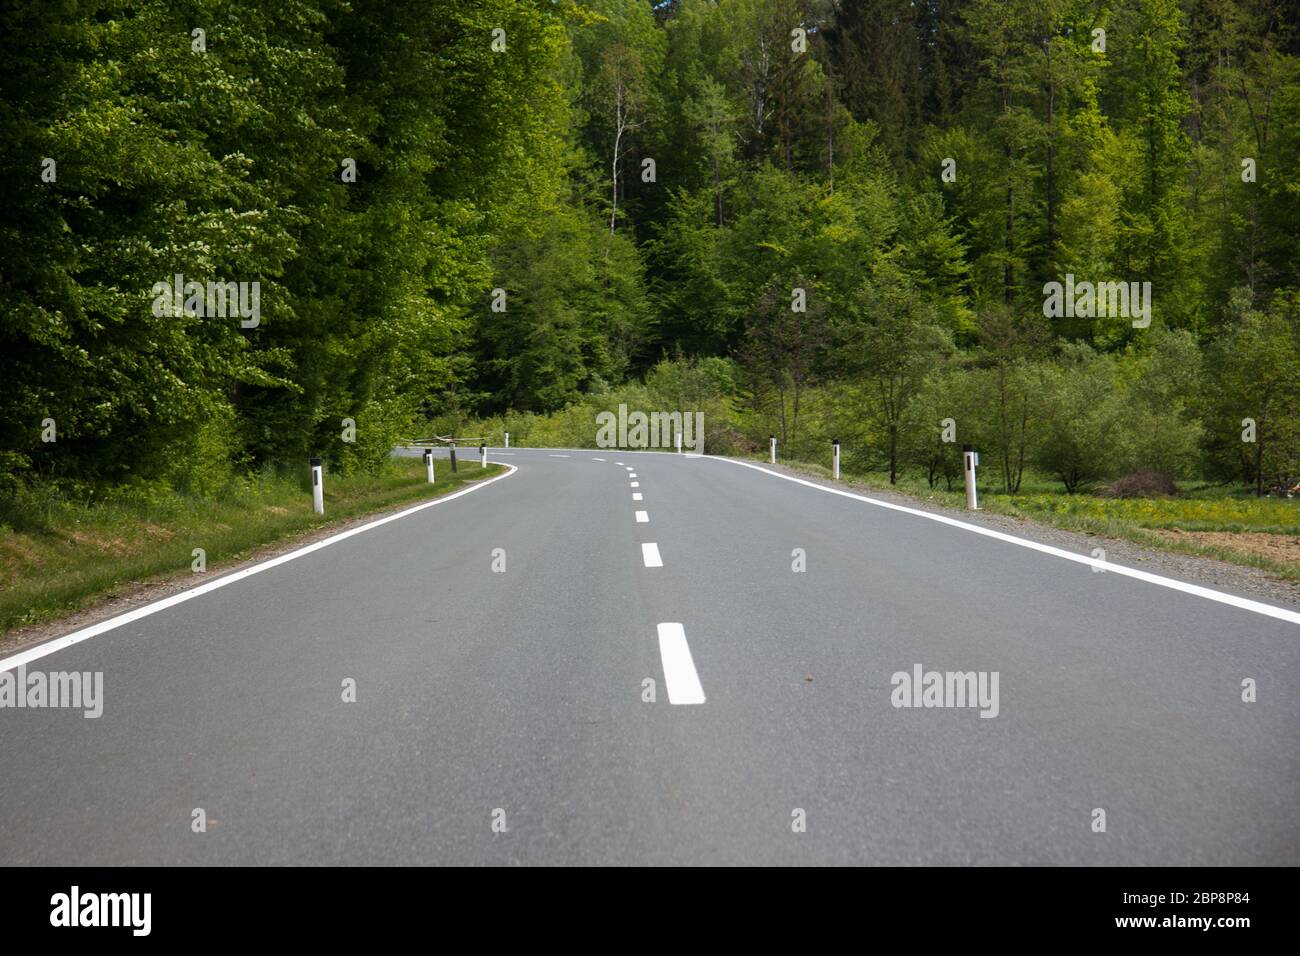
1142 484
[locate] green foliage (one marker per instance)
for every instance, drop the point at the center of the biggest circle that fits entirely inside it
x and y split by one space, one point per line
60 551
1256 388
920 170
222 161
1083 417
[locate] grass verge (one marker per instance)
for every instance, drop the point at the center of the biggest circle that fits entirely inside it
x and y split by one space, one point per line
58 555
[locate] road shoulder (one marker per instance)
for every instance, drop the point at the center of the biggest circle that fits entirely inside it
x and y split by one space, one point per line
1208 572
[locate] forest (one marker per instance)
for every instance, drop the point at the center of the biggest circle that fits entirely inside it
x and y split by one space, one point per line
806 218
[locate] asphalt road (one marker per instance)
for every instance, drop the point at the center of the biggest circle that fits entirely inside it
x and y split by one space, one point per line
516 697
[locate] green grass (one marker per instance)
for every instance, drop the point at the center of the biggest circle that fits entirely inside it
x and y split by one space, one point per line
1200 508
57 555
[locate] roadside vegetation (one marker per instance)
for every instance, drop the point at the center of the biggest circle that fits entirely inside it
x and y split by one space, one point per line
58 553
853 220
1148 465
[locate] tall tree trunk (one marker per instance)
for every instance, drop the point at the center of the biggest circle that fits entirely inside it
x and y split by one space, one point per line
716 130
794 418
1008 274
1259 466
717 188
1004 431
1259 458
1051 153
618 137
785 438
830 132
1024 427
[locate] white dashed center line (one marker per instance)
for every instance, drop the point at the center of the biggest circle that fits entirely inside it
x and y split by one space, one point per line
636 496
682 681
598 459
642 517
636 484
650 555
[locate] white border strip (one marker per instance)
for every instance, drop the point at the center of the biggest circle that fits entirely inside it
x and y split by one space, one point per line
1232 600
85 634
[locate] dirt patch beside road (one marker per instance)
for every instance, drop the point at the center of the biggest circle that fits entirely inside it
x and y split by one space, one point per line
1277 547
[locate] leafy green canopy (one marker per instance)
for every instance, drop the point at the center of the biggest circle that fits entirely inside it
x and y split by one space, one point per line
553 198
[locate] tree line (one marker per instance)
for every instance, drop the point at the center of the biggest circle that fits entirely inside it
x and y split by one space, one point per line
840 216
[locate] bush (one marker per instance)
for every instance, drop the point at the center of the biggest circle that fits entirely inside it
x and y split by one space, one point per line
1085 415
1161 431
1142 484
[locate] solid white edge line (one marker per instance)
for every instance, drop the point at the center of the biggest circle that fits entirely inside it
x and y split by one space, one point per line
650 555
642 517
680 677
112 623
1232 600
